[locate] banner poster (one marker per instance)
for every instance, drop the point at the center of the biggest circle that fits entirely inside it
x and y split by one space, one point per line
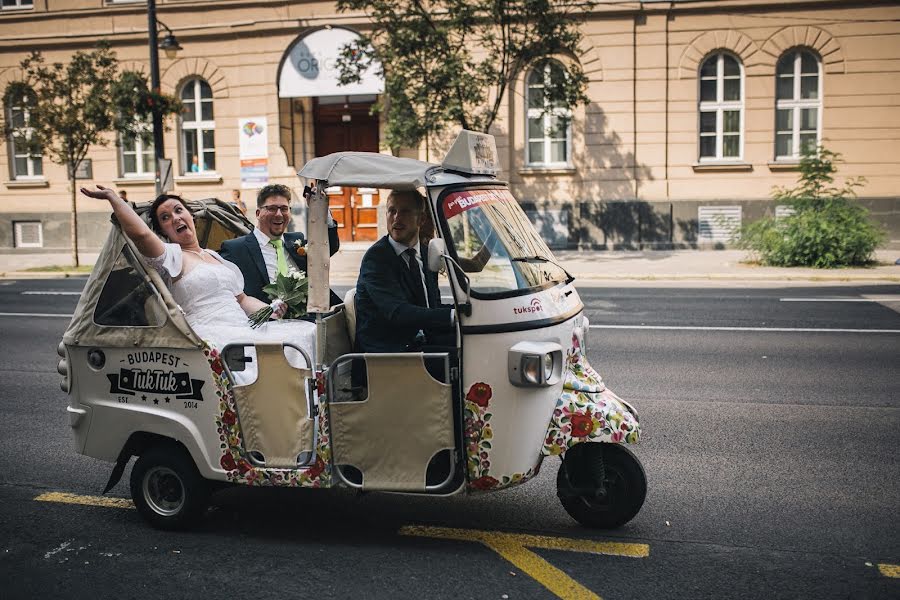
254 172
253 133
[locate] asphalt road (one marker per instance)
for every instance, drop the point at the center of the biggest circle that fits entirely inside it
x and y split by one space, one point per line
771 458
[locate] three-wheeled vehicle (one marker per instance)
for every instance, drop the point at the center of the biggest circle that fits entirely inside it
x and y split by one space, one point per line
477 416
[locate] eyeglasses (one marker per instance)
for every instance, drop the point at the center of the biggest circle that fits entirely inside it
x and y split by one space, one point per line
276 209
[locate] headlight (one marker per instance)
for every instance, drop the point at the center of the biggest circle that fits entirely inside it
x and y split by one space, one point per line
535 364
548 366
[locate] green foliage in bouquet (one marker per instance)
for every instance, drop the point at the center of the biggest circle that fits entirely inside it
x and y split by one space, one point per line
826 228
292 289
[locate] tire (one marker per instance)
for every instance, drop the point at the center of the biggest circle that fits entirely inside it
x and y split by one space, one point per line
625 482
168 491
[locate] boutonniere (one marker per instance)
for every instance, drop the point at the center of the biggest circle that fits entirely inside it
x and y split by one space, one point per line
300 247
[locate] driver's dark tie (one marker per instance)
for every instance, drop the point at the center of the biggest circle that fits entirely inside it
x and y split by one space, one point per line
416 273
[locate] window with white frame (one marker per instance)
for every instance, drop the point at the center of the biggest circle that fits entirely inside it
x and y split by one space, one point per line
14 4
549 124
198 129
721 108
136 157
25 162
798 104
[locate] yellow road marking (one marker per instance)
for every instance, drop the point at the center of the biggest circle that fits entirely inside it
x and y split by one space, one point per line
512 547
85 500
889 570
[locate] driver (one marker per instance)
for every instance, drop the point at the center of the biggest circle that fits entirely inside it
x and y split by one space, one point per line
398 304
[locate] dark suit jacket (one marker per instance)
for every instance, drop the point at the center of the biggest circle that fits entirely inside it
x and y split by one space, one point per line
387 318
245 253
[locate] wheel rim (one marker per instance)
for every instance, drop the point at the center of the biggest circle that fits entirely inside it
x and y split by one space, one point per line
164 491
615 491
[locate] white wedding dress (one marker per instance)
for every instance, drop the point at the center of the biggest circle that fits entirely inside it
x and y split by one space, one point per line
207 294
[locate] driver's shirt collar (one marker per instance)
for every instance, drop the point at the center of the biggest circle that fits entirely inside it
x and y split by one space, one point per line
400 248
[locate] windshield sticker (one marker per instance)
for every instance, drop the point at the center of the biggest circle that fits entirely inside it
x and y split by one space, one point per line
460 202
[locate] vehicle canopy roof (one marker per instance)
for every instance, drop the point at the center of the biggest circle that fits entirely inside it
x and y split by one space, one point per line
472 156
119 258
369 169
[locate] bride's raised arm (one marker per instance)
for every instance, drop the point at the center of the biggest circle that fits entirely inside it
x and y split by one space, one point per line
134 227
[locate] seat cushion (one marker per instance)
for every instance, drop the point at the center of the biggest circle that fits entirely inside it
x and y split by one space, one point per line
350 312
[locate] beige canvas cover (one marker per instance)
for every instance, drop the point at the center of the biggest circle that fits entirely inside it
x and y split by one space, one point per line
273 410
318 257
368 169
216 220
371 435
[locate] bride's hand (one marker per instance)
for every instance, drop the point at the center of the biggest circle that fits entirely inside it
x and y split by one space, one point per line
101 193
279 308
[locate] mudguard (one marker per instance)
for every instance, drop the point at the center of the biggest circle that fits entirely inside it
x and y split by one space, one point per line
587 410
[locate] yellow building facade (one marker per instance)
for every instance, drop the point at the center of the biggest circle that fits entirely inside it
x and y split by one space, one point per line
697 109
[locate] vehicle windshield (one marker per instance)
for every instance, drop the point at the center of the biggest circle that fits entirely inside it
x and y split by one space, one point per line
496 244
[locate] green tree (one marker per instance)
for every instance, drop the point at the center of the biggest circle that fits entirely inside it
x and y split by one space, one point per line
452 61
825 227
74 106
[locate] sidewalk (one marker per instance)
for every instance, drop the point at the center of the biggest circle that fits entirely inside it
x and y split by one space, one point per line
678 266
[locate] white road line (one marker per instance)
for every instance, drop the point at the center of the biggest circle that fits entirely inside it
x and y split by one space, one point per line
3 314
40 293
765 329
869 299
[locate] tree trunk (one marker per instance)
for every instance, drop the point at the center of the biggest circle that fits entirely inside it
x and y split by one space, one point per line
74 226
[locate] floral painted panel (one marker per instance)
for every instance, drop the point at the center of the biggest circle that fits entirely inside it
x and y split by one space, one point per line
587 411
241 471
479 435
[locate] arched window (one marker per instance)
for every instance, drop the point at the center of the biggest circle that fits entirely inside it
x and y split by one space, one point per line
25 160
721 108
198 128
798 104
549 123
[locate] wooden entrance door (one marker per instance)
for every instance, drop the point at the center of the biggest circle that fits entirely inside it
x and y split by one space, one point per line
349 127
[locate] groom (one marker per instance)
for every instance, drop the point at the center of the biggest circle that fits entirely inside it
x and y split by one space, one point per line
269 249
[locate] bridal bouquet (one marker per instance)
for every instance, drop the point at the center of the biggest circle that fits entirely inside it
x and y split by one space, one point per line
292 289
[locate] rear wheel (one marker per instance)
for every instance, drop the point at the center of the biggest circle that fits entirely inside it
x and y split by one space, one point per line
167 489
608 506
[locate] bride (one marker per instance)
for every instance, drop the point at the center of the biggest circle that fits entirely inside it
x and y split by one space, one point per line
208 288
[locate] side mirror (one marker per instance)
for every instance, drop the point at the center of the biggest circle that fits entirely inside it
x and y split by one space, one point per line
436 251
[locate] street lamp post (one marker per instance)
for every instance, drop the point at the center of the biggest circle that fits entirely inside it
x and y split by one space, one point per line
170 45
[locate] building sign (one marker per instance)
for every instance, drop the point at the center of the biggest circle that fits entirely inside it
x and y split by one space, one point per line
310 69
253 136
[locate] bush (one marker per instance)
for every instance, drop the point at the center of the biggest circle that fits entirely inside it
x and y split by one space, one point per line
826 229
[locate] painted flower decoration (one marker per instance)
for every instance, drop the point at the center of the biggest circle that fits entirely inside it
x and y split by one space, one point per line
229 418
480 393
227 462
582 424
484 483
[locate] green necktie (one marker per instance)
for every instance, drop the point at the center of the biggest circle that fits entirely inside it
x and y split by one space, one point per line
281 266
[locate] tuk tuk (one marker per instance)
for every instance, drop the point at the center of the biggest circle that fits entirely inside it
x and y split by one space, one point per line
476 416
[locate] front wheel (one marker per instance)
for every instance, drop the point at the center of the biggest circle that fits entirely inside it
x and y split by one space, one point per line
608 506
167 489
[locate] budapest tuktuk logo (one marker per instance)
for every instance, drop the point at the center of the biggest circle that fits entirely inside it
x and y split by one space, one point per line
533 307
162 382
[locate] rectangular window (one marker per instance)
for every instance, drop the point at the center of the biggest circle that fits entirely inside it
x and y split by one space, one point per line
198 135
548 125
721 108
14 4
25 163
28 234
137 158
798 104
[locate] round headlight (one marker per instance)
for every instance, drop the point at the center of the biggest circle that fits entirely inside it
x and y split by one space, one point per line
96 359
548 366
